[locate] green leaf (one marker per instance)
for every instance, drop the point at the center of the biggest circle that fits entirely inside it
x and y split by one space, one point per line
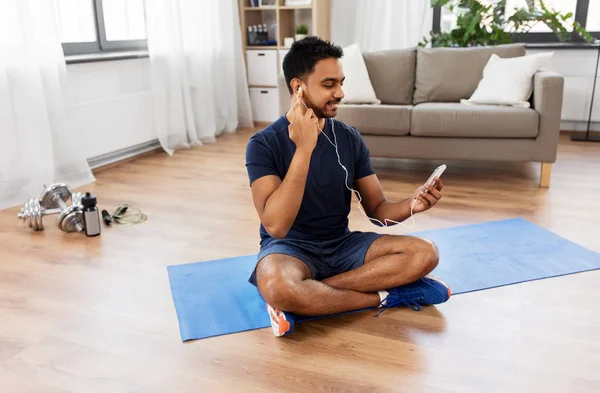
439 2
485 23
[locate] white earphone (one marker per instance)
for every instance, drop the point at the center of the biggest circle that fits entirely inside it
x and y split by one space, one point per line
386 220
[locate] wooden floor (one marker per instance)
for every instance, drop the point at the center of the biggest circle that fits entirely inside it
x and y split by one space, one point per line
91 315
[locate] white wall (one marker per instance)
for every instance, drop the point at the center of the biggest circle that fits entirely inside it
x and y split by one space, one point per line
577 66
343 23
111 104
381 24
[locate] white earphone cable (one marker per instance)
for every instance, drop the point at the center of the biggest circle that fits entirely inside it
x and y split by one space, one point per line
386 220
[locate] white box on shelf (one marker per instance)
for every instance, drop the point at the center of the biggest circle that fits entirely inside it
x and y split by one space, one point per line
262 67
297 2
288 42
265 104
282 53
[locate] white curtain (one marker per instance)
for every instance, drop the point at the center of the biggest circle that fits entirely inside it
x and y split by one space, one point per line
199 84
38 144
380 24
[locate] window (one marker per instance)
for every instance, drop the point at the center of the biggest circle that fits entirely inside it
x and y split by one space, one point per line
562 6
76 21
97 26
593 16
448 20
586 12
124 20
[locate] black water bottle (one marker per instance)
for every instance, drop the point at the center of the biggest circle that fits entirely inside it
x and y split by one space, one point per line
91 217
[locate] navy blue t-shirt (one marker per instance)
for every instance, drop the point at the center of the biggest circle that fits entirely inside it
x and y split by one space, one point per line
323 214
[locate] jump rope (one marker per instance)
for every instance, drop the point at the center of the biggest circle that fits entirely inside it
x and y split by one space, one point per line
386 220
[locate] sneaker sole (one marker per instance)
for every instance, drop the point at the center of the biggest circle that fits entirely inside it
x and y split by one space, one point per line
280 325
436 278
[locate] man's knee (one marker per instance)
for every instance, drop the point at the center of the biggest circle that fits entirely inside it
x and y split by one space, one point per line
279 292
426 254
279 284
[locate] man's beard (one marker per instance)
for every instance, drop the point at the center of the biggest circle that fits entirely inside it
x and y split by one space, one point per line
334 111
320 111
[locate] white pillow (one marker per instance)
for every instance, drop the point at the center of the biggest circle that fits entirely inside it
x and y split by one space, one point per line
357 86
508 81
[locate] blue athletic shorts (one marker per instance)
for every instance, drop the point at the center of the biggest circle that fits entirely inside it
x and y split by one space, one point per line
323 258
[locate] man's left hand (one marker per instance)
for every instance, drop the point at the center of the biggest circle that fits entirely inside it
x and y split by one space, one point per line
427 196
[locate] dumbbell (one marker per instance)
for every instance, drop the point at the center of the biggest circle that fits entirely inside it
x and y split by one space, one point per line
52 201
32 213
76 198
70 218
47 204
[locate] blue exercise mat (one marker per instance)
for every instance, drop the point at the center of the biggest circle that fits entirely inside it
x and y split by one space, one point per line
215 298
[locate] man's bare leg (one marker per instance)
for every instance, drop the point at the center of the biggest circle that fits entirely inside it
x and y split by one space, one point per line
285 282
390 262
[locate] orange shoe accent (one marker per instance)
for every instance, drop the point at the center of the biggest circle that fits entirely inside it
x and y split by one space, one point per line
282 324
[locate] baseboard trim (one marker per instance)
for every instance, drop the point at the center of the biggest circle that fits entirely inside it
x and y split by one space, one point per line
579 126
127 153
575 132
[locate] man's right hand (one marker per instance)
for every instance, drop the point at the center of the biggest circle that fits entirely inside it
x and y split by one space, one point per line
303 127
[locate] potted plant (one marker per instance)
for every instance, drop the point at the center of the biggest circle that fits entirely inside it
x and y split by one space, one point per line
301 32
484 23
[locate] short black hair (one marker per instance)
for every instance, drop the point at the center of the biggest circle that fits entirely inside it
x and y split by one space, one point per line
304 54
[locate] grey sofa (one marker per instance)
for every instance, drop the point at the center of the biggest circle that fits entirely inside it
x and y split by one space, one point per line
420 115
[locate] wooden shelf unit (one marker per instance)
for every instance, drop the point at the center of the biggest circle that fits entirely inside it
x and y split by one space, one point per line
281 21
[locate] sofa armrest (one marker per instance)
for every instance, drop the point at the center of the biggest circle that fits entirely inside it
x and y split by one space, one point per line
285 98
547 100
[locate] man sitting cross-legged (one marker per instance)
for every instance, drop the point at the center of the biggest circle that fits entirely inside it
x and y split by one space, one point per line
310 263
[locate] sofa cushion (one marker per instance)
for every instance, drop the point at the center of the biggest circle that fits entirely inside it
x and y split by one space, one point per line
451 74
508 81
473 121
376 119
358 88
392 74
